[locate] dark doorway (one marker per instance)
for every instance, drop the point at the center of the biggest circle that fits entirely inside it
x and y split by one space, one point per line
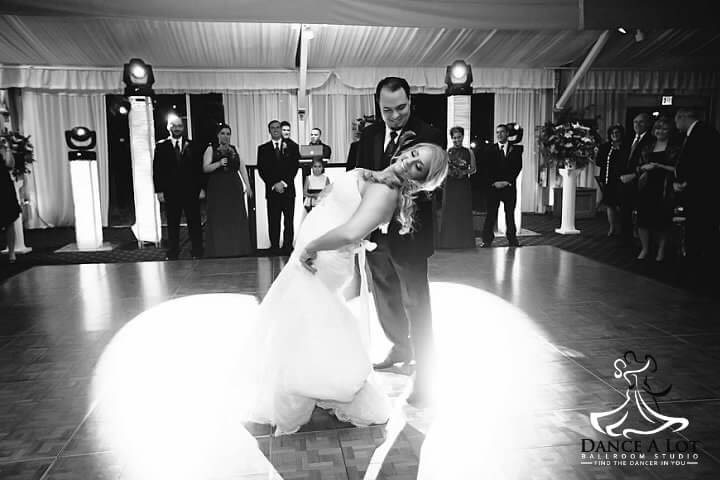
482 133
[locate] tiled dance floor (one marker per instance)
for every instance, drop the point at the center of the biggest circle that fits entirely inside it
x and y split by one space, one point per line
528 344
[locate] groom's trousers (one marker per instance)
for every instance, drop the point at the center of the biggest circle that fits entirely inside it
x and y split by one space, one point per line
402 299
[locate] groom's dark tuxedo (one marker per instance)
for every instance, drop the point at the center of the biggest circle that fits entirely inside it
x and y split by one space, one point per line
399 264
279 165
178 175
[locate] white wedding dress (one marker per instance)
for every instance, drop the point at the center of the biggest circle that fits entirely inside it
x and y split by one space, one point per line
308 347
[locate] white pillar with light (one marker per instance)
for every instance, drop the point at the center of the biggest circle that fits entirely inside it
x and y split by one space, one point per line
138 77
147 227
85 183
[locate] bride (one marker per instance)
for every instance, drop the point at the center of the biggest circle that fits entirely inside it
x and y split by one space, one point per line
308 348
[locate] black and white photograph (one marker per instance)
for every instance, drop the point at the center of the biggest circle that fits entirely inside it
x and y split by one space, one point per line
380 240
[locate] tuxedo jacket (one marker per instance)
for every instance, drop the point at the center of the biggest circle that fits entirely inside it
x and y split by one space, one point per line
499 168
283 168
369 155
177 177
698 165
634 154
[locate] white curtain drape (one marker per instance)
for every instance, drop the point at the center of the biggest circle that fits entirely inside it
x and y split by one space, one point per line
529 108
46 116
334 114
249 114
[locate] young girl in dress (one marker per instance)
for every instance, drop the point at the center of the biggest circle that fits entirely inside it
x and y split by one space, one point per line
314 184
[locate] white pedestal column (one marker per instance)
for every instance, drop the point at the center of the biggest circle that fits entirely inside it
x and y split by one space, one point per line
147 227
86 200
569 176
20 246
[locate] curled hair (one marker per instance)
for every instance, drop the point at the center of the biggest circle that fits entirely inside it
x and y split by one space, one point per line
615 127
220 127
409 189
459 130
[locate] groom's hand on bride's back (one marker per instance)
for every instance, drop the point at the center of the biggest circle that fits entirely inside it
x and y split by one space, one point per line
307 260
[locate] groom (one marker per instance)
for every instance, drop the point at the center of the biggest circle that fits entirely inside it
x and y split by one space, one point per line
399 264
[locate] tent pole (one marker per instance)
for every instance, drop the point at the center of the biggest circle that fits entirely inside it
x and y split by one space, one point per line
584 67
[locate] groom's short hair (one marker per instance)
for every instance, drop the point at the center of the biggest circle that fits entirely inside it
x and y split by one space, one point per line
393 84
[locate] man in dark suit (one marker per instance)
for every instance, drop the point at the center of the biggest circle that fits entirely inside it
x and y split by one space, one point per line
697 172
628 174
315 139
278 161
502 164
178 175
399 264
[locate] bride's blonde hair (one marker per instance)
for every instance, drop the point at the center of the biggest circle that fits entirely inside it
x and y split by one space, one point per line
409 189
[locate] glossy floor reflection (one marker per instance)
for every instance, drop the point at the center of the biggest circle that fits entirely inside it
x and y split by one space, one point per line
526 342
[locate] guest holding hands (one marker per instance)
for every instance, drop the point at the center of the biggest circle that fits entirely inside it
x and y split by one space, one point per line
228 232
456 226
656 171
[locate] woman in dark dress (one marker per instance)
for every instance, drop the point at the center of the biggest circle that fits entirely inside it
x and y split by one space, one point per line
656 172
609 156
227 232
456 226
9 207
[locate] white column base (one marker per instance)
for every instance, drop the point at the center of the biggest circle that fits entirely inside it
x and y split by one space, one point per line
569 231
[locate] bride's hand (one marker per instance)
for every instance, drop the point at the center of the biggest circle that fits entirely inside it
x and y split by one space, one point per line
307 259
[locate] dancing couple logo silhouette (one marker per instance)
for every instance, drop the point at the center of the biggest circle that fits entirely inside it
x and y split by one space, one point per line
635 416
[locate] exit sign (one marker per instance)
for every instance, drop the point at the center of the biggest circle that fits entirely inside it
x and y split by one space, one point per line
667 100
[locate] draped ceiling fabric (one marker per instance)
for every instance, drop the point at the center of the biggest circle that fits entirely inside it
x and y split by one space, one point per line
71 53
508 14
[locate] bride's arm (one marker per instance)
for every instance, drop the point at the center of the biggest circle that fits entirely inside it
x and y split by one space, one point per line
376 207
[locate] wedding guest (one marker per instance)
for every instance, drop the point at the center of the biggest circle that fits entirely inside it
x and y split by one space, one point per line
628 175
609 158
697 171
315 134
278 161
456 226
314 184
9 206
177 176
228 231
286 130
656 171
503 165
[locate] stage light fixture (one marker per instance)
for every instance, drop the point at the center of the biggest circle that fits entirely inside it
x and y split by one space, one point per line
458 78
80 140
622 30
515 133
138 77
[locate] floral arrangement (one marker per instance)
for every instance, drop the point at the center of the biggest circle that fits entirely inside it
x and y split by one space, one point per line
569 144
458 167
22 150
